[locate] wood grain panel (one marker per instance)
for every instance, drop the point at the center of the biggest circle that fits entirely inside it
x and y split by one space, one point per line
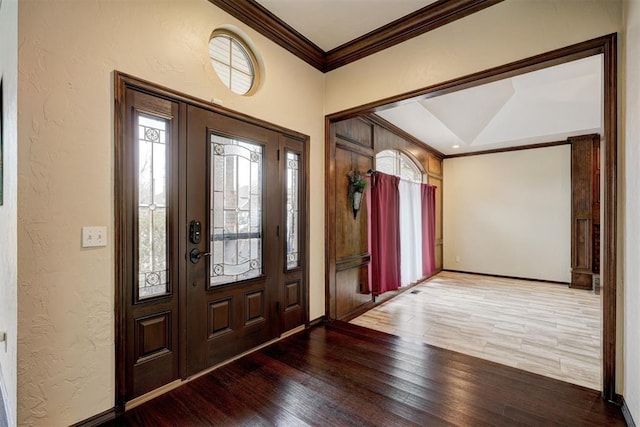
351 233
348 286
356 131
292 295
219 318
438 183
434 165
353 261
584 208
439 256
254 303
153 336
582 254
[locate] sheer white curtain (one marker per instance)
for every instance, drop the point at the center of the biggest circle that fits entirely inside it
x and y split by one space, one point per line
410 232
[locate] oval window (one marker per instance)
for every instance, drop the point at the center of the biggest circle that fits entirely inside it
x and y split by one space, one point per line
233 61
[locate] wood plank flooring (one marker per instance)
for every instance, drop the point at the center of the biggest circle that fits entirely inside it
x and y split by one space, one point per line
545 328
341 374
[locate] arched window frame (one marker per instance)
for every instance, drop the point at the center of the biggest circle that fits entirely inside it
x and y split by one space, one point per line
399 162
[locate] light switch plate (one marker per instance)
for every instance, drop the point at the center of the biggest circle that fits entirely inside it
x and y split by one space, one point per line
94 236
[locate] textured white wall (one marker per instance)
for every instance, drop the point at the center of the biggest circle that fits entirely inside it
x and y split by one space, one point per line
68 51
8 212
509 214
631 223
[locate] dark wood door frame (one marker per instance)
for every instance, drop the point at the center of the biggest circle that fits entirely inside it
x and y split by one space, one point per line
605 45
123 82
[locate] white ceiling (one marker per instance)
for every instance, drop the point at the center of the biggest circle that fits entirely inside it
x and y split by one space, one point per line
543 106
331 23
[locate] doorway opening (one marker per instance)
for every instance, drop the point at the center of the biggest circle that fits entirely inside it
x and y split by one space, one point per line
605 46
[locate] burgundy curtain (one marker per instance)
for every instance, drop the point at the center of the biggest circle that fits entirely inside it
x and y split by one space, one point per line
428 229
384 233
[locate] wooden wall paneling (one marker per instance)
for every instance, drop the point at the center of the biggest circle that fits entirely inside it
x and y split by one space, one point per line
595 215
433 180
583 164
351 233
351 145
356 131
348 296
434 165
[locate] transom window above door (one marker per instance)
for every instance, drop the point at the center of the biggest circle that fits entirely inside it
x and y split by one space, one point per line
395 162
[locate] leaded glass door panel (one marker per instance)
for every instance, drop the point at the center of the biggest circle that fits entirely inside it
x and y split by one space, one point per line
233 192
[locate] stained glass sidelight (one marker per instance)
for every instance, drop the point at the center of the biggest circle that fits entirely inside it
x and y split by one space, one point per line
236 210
152 206
293 210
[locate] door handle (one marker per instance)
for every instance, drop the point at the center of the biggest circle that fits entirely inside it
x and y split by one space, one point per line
195 255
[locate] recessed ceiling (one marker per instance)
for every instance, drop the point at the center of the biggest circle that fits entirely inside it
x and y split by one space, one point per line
543 106
331 23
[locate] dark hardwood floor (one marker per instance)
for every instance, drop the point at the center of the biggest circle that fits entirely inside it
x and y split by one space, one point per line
342 374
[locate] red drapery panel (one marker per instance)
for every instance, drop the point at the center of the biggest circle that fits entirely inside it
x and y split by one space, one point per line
385 233
428 229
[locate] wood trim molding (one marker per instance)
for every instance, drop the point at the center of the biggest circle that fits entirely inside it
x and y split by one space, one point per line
500 276
505 150
626 413
414 24
607 46
419 22
98 419
533 63
355 261
609 263
266 23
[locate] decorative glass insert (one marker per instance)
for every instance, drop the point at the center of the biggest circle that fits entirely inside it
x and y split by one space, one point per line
236 210
232 61
397 163
152 206
293 210
408 169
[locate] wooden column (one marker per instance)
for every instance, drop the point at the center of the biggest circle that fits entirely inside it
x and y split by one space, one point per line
585 210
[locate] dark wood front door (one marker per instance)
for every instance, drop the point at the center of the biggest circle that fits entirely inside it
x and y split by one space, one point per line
234 201
211 234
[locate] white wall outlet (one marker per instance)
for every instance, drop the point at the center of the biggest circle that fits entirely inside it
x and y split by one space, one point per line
94 236
457 258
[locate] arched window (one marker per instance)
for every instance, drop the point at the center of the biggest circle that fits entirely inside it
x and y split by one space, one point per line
394 162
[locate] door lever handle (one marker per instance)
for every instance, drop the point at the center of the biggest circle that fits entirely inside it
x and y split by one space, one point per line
195 255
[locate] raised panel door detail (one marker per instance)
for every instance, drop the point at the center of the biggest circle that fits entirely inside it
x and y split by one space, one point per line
583 243
254 303
219 317
292 295
153 336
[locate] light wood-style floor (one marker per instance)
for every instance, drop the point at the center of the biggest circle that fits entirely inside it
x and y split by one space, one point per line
544 328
